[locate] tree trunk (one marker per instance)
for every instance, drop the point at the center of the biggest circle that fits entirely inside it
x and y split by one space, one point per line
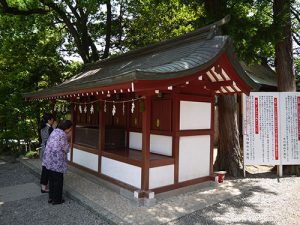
284 56
229 156
283 47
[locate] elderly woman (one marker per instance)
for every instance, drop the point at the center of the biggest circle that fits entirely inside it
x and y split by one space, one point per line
55 159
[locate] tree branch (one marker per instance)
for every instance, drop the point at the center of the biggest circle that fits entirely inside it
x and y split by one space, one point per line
295 13
295 39
75 18
108 30
73 10
63 15
6 9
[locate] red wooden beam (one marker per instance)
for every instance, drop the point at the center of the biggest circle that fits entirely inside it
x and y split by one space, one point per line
228 68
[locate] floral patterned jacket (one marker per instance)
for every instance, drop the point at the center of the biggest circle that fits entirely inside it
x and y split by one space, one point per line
55 155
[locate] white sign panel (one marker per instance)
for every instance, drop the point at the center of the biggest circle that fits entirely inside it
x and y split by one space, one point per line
290 132
261 129
272 128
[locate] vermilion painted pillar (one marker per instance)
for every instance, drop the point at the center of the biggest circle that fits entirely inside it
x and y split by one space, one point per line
175 135
146 144
101 134
212 131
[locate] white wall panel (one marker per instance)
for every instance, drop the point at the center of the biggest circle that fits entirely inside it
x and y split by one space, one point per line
135 140
86 159
124 172
194 157
161 144
69 156
195 115
161 176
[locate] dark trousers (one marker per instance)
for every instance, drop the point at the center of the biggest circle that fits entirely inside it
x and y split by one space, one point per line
56 181
44 176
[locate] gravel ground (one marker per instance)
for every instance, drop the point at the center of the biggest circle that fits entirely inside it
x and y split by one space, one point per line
268 201
36 210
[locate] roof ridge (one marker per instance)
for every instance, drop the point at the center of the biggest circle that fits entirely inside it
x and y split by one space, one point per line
210 31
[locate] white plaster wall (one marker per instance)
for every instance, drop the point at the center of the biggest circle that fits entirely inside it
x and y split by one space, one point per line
86 159
161 176
194 157
124 172
135 140
195 115
161 144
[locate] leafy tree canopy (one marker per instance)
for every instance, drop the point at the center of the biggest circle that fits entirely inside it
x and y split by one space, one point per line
153 21
29 61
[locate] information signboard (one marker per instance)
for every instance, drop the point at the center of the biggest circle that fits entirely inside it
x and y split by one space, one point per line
271 128
290 128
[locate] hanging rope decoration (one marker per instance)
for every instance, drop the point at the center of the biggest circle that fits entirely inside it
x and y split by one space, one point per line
92 109
132 107
61 107
83 106
114 110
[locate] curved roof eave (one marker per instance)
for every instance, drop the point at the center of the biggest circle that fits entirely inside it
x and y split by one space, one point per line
227 48
183 56
239 69
62 90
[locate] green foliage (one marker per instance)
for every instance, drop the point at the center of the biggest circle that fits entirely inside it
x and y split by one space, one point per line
28 61
297 73
154 21
251 29
32 154
250 26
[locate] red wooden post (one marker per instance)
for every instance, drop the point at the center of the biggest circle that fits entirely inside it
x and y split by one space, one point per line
101 134
146 144
212 131
175 135
74 121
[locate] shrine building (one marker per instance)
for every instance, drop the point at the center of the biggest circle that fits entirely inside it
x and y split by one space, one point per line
144 120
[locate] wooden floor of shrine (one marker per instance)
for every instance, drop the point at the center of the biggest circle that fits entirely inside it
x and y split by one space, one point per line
134 157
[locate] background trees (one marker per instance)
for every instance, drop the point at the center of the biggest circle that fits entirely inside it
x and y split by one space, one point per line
39 38
28 61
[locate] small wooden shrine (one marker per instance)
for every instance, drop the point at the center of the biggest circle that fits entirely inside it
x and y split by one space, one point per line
144 120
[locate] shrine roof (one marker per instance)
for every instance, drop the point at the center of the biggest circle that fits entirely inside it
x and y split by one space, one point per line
172 59
261 74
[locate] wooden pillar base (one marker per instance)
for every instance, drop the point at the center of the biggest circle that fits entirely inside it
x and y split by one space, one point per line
144 194
144 198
